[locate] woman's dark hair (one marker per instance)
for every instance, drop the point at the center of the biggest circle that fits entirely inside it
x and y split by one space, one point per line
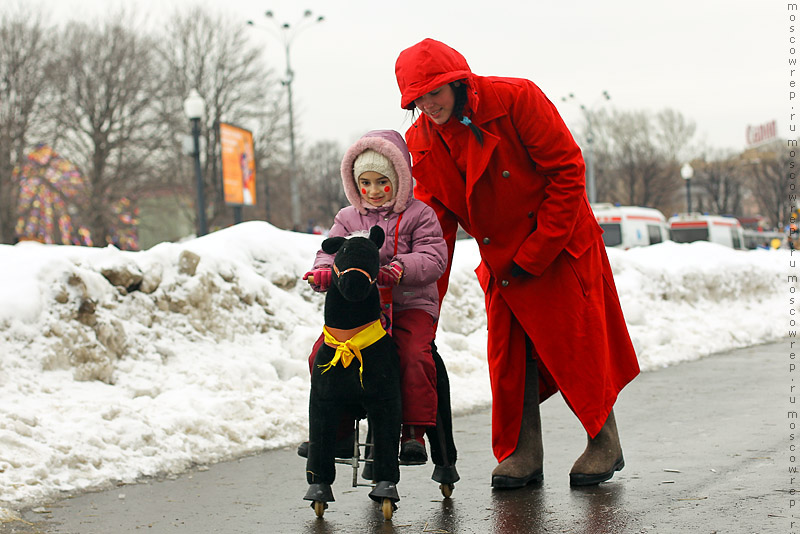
460 91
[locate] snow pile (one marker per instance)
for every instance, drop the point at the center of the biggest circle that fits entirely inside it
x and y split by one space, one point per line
115 365
683 301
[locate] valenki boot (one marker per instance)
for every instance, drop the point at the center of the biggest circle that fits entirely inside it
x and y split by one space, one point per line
524 465
601 459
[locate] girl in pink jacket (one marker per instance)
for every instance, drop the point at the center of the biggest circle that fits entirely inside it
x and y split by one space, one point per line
376 175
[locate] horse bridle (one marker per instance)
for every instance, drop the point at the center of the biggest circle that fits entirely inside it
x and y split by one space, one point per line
362 271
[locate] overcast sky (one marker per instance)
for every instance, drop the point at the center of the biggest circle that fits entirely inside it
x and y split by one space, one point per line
723 64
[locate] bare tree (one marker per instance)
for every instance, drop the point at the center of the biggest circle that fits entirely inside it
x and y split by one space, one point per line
108 116
600 152
25 52
210 52
321 177
641 168
720 175
272 157
771 193
673 134
637 156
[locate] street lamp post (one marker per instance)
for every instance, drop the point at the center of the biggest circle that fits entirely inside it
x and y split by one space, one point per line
288 33
686 173
590 181
194 107
590 177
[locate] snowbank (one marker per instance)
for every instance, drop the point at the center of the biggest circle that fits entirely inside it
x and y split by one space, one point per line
116 365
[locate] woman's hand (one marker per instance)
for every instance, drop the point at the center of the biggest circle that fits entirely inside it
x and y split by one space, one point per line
516 270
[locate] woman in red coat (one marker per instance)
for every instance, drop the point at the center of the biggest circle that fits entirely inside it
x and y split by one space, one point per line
493 155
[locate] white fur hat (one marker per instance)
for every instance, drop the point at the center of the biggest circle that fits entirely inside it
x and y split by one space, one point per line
370 160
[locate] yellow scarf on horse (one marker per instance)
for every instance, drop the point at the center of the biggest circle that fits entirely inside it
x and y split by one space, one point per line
351 348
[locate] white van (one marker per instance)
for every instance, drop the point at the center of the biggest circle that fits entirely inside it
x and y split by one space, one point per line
630 226
764 239
691 227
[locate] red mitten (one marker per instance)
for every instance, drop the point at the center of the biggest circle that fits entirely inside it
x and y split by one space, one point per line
320 279
390 275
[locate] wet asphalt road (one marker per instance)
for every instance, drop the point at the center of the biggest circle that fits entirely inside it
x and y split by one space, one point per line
706 447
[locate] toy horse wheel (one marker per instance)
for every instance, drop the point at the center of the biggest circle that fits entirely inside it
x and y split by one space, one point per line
387 509
319 508
447 489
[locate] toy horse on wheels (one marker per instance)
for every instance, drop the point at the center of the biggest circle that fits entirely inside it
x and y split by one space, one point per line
356 371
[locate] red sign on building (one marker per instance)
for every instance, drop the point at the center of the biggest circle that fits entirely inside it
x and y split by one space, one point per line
762 133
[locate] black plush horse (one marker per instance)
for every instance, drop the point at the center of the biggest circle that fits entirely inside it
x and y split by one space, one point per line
356 372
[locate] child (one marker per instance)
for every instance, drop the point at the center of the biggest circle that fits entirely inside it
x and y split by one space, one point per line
376 174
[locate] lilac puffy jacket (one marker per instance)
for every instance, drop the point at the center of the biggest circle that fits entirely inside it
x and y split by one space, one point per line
421 249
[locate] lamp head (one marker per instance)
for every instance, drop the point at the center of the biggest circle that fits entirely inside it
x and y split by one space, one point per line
687 171
194 105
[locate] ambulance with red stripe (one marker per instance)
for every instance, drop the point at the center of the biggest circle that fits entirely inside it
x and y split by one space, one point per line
630 226
691 227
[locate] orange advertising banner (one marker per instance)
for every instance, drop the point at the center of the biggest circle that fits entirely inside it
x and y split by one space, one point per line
238 165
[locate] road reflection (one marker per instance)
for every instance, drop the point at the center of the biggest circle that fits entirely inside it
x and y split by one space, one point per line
520 511
446 519
530 510
593 510
600 508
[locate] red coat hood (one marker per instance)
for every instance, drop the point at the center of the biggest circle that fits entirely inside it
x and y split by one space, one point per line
425 66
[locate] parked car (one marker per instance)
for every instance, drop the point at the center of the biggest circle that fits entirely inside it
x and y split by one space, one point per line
764 239
630 226
691 227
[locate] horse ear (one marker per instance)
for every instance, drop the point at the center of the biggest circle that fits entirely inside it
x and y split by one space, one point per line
332 244
376 235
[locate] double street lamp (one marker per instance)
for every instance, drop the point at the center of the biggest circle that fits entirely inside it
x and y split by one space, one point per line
194 106
287 35
587 113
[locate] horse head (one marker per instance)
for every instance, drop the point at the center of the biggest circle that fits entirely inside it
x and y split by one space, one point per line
356 263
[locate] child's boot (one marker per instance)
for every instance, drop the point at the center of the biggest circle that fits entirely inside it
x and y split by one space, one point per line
412 446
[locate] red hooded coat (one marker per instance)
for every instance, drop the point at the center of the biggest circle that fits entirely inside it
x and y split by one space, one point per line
521 194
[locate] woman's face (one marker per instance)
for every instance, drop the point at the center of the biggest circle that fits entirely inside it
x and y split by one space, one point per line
438 104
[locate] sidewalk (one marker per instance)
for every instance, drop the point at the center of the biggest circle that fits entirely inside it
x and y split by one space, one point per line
705 443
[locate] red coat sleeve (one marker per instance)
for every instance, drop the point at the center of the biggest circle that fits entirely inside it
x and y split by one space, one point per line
558 159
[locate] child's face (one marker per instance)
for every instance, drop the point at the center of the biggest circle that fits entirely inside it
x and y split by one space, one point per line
375 188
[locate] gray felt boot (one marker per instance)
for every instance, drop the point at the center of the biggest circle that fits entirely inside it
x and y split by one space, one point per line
601 459
524 465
